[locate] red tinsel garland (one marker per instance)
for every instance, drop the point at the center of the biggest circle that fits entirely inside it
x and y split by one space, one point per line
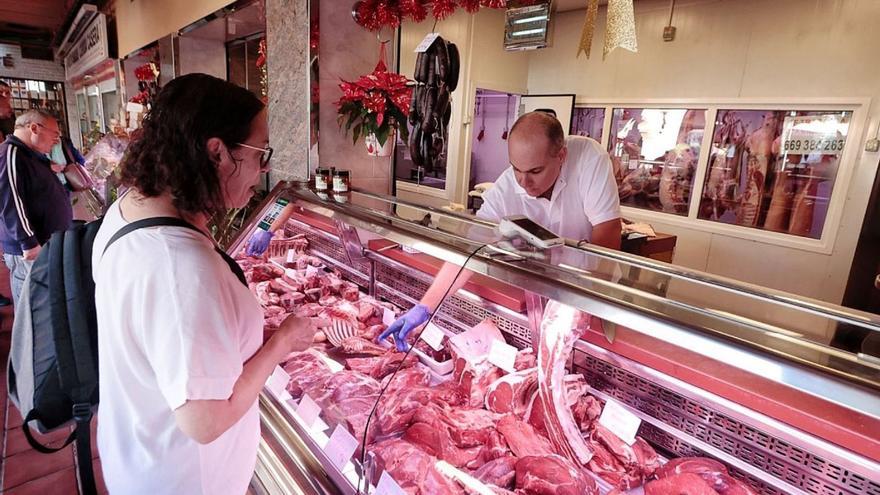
376 14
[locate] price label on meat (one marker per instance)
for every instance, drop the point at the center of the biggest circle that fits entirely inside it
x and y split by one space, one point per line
427 42
340 447
387 486
433 336
277 382
503 355
308 410
619 421
814 134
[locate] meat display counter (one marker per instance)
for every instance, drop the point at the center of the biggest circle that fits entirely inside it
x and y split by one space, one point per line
665 363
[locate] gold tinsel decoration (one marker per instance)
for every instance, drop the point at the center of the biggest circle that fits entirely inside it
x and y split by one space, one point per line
620 27
589 28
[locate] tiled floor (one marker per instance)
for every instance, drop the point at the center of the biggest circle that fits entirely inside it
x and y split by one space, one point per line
24 471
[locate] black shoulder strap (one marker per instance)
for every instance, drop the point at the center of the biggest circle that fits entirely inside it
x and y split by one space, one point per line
176 222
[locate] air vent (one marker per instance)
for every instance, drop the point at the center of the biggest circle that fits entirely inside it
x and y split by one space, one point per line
526 28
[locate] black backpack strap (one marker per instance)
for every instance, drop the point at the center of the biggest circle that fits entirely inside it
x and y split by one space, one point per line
35 444
83 339
176 222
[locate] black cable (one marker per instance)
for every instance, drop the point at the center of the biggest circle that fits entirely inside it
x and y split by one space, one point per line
400 366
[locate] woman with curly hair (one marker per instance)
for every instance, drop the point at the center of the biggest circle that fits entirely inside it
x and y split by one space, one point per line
179 333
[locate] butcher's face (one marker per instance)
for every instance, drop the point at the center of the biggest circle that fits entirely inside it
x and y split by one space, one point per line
536 164
240 167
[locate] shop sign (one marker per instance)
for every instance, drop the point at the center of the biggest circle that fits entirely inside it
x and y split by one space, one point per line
89 50
814 134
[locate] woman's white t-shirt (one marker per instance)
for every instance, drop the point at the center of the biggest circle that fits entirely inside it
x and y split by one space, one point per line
174 324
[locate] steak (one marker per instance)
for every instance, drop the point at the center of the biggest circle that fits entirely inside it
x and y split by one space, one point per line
711 471
306 369
522 439
412 468
552 475
680 484
511 393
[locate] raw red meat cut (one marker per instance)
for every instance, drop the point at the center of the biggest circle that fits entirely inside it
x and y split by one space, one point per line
379 367
522 439
552 475
500 472
680 484
341 385
711 471
558 335
305 369
511 393
439 443
468 427
473 372
586 410
412 468
395 411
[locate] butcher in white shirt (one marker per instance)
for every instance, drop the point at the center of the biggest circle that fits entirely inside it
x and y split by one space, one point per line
564 184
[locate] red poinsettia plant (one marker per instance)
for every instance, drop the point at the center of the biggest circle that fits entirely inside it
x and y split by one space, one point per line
375 104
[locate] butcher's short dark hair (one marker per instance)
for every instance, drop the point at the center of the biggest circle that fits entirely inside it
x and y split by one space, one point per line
551 126
4 84
170 154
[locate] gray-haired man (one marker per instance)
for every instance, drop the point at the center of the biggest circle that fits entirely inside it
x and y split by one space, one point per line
33 202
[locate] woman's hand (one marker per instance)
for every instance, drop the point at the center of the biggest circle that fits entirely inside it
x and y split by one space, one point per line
296 333
58 168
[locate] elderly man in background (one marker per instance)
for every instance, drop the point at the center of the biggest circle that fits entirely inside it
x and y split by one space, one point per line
33 202
7 126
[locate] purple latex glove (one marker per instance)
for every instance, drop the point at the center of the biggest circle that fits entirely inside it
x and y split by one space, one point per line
259 242
415 317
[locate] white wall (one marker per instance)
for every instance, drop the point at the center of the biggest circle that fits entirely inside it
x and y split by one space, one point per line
748 49
202 55
27 68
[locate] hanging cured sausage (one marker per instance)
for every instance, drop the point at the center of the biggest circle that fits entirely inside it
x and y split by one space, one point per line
436 77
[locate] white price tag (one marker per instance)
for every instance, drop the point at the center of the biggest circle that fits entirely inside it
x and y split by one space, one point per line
433 336
311 271
503 355
334 366
388 317
308 410
472 342
619 421
291 256
427 42
340 447
633 164
277 382
387 486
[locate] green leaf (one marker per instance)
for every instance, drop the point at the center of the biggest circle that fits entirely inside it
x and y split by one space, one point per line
357 134
382 134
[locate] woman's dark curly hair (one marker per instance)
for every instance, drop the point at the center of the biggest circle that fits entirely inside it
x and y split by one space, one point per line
170 153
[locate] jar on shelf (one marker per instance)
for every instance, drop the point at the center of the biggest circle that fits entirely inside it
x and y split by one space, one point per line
341 181
322 179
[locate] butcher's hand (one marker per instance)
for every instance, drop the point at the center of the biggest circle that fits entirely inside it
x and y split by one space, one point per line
296 334
412 319
259 242
31 254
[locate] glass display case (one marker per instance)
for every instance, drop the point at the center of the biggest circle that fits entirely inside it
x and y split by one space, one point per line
773 169
740 376
655 152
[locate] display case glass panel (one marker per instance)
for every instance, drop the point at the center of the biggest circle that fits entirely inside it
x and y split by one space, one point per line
774 169
654 152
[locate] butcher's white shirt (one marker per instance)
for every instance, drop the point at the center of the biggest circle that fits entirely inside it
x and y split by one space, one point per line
585 194
174 324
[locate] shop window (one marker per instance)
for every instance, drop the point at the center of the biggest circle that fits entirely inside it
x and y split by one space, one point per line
654 152
774 169
588 122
